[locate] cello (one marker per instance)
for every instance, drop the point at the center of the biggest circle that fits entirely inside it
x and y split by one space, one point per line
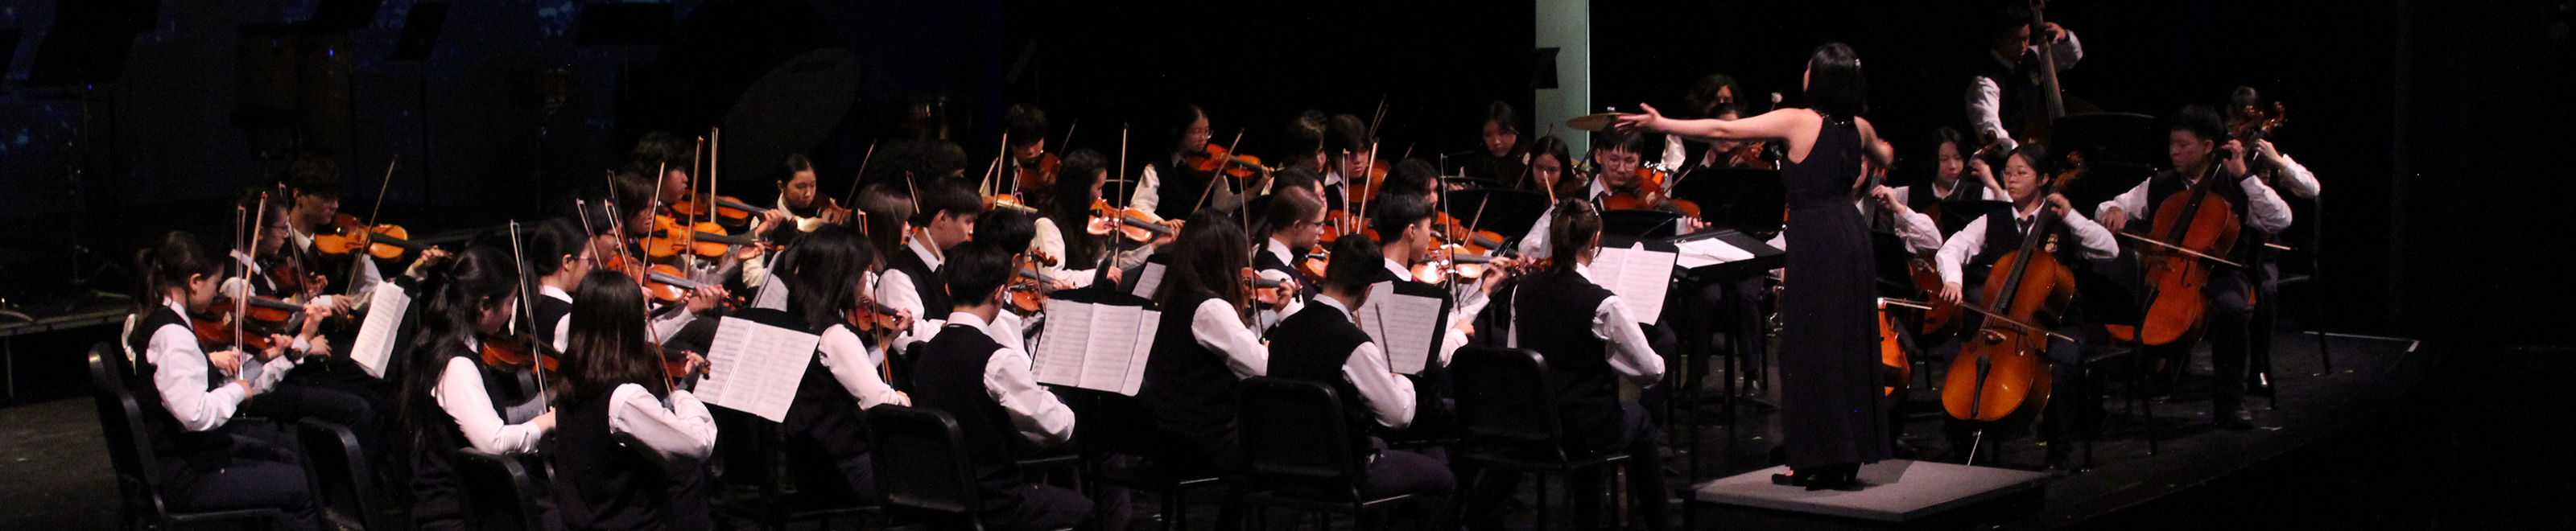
2002 375
2192 228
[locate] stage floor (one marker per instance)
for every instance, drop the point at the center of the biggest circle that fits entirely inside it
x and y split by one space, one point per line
59 476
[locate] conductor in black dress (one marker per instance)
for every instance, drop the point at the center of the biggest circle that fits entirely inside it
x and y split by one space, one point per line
1829 392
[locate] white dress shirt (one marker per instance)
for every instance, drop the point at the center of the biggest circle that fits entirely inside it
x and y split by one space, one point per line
1264 318
460 392
180 373
854 364
2267 212
2295 178
1915 228
895 290
1050 240
1629 353
1985 98
1010 381
683 429
1389 396
563 325
2096 242
1217 327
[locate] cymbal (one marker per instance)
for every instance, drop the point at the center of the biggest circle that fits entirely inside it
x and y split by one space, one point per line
1594 122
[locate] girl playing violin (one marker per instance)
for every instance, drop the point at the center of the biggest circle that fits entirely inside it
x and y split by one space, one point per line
630 452
1202 347
456 393
187 402
1078 235
799 202
829 294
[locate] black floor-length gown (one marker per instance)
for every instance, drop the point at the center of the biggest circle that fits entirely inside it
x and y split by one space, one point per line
1829 409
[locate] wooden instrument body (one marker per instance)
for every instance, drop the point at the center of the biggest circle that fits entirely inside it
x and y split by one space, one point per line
385 241
1891 354
2203 223
1646 193
2002 373
1036 181
1943 318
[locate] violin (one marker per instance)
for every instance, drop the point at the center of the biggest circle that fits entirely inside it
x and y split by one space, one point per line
385 241
263 316
706 239
665 283
1316 263
1213 157
1135 224
514 351
1037 180
1646 193
1266 292
1750 155
726 210
869 316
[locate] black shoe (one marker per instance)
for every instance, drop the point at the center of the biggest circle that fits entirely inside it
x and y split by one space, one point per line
2235 418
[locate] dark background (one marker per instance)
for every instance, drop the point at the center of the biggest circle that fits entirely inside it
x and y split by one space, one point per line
2432 126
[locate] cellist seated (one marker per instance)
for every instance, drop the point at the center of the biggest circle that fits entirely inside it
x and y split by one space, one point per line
2193 141
2070 236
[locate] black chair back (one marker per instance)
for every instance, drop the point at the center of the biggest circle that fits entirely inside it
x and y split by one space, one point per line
121 419
921 460
498 493
343 487
1505 395
1295 429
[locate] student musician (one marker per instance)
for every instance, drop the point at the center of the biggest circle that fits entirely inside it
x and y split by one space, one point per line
2244 108
453 396
1505 158
2199 148
1320 343
1202 347
635 210
991 390
2244 113
1967 259
1027 127
1713 96
188 396
675 160
1169 186
911 283
1951 179
313 186
1294 224
559 255
1591 342
802 205
1082 257
630 452
266 265
1012 230
2004 94
1306 142
302 379
827 279
1347 144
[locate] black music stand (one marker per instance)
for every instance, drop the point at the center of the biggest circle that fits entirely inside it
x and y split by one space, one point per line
1747 200
1509 213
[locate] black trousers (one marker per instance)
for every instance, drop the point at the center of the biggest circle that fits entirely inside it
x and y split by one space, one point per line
1036 507
262 473
1645 482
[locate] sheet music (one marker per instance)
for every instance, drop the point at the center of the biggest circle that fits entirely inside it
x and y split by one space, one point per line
755 368
773 293
1148 278
375 340
1638 276
1407 327
1708 252
1096 346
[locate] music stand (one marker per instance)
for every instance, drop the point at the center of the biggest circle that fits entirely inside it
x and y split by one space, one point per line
1640 224
1509 213
1745 200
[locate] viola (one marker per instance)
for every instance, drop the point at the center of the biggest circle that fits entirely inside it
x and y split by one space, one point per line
385 241
1646 193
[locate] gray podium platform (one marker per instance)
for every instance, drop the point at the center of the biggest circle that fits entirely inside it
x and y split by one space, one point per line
1896 491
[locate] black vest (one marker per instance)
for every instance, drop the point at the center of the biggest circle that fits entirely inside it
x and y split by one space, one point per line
1554 317
925 281
602 483
550 311
824 416
1187 386
949 376
1264 260
1313 344
180 452
2003 236
1178 189
2167 183
436 491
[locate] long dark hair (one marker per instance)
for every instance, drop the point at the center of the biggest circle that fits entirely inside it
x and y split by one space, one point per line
1207 258
823 273
1570 232
168 263
1835 86
1552 147
456 290
604 344
1072 208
